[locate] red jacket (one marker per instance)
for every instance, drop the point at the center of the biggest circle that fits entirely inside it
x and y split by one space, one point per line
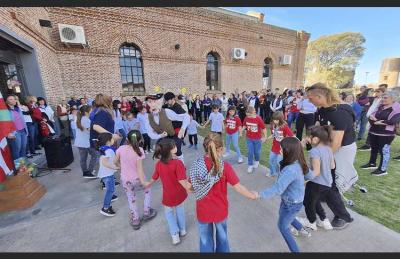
36 114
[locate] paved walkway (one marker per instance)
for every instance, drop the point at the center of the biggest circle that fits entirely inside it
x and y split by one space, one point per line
67 219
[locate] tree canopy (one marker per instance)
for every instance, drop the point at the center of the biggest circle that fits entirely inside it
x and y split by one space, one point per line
333 59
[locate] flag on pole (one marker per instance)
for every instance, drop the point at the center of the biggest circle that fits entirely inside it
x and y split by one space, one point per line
6 127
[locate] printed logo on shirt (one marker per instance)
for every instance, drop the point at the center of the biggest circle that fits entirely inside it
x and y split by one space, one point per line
252 127
278 134
231 124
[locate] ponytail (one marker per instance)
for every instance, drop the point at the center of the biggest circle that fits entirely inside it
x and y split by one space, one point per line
214 157
135 140
211 143
84 109
332 98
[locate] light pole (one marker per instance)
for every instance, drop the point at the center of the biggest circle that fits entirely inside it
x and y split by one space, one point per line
366 77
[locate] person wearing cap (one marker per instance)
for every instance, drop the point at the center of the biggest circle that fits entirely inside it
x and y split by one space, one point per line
160 121
178 107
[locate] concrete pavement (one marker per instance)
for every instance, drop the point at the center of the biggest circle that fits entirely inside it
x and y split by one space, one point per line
67 219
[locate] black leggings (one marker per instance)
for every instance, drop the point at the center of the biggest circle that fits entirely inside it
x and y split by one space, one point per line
198 116
335 202
147 141
191 138
381 145
312 200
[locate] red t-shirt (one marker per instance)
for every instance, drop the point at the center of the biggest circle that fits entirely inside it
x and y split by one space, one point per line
232 124
254 127
293 107
214 206
280 133
170 174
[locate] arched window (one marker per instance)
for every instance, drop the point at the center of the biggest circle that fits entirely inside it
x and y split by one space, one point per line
212 71
267 73
131 67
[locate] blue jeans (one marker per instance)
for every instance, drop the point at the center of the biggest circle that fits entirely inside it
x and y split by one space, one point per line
292 117
206 231
32 136
274 160
362 125
175 223
235 139
109 181
18 144
287 217
254 150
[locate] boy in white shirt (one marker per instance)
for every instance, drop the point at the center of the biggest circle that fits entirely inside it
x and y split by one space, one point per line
217 120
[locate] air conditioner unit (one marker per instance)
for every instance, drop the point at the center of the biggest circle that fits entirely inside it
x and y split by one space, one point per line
238 53
71 34
286 60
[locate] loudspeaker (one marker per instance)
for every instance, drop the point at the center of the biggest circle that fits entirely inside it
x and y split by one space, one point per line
58 151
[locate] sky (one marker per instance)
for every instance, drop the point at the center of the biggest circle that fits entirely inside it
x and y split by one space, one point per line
379 25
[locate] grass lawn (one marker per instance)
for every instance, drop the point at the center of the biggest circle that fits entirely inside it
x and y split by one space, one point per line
382 201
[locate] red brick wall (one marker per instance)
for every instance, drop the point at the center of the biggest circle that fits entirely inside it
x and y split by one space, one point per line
77 71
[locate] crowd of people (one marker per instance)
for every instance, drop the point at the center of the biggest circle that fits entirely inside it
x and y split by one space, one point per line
118 134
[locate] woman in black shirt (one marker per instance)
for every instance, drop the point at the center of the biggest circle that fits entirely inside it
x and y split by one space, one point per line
331 111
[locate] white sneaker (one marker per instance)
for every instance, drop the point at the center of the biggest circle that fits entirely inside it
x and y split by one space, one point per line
307 224
175 239
250 169
304 232
225 154
325 224
256 163
240 160
146 152
151 150
182 233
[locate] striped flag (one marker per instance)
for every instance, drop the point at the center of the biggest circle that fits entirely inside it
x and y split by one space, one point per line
6 127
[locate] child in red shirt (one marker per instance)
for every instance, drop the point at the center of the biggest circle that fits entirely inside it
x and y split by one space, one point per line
233 127
175 186
210 176
255 127
279 130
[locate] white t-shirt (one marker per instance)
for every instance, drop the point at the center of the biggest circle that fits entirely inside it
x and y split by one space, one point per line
118 122
83 137
217 119
192 128
49 112
142 118
105 171
225 103
72 118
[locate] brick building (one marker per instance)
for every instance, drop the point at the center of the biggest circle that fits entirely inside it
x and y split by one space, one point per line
130 51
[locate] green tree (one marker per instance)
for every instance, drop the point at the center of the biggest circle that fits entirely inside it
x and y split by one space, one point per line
333 59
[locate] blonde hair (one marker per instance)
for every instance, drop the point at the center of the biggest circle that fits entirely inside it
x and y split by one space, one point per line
250 110
321 89
103 101
30 99
212 142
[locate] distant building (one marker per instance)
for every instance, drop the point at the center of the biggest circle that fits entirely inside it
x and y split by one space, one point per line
390 72
134 51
